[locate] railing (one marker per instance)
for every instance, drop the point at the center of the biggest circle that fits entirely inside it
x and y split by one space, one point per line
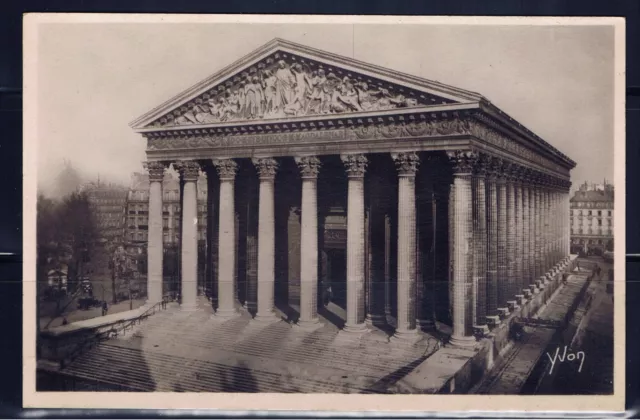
97 338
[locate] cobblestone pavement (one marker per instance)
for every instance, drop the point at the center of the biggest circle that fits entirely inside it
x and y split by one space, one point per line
174 351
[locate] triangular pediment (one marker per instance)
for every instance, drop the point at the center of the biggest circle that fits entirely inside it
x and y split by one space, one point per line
284 80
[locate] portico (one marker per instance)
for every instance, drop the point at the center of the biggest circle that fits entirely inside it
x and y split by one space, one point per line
411 201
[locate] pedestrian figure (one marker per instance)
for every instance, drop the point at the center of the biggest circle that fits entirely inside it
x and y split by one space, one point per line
105 307
564 278
164 302
64 321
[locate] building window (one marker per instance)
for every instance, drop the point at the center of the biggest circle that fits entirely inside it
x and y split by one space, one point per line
599 213
599 222
589 213
609 213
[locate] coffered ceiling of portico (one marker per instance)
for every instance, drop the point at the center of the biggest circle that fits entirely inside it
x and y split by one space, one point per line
283 80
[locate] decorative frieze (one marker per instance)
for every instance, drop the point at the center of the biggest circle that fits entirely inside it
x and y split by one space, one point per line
398 127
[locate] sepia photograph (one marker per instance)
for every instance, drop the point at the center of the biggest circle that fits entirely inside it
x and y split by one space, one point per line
221 209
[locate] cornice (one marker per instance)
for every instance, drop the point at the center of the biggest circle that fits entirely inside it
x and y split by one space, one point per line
515 129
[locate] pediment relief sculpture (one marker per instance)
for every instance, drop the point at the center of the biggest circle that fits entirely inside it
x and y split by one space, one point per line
283 86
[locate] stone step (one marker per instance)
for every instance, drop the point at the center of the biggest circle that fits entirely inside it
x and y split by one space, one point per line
160 372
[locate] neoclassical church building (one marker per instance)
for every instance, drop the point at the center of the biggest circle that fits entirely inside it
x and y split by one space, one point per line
404 201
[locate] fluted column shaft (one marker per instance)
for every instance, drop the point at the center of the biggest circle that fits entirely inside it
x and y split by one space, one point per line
511 240
526 269
309 169
492 246
355 166
519 240
536 235
155 243
266 168
532 232
462 334
227 169
502 246
189 172
407 165
547 234
480 245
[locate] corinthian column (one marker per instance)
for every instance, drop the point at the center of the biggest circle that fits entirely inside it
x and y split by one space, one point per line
526 218
462 229
538 230
155 244
266 168
492 243
309 168
480 245
227 169
355 165
501 169
407 166
511 239
519 240
189 172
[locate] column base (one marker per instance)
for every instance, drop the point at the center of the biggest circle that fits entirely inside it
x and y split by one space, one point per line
480 330
352 333
513 305
225 314
521 300
188 307
493 321
534 289
503 313
268 318
527 293
307 326
405 337
464 342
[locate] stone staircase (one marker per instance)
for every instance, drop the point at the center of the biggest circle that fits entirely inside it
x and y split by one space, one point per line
175 351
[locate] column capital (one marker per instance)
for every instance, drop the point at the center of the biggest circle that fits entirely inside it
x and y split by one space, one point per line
483 166
189 169
527 175
406 163
511 172
266 167
156 170
227 168
355 165
463 161
309 166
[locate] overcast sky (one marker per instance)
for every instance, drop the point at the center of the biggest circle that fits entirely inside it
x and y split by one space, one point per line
93 79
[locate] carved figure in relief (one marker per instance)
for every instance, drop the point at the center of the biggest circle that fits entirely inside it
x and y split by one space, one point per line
269 86
285 84
303 84
253 98
291 90
316 97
